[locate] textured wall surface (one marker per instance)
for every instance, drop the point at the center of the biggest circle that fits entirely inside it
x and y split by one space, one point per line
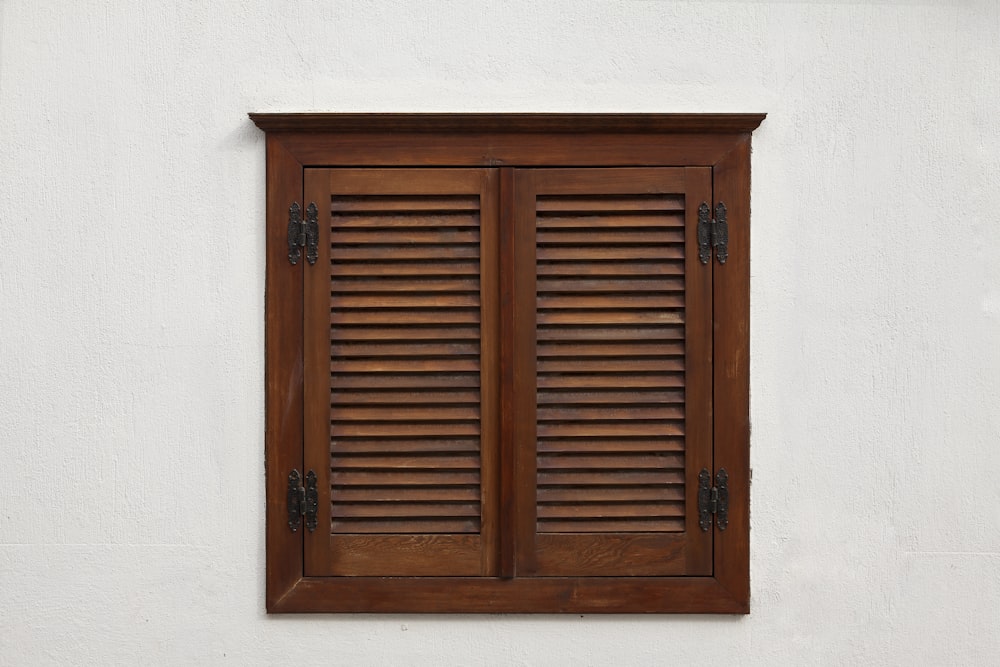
131 314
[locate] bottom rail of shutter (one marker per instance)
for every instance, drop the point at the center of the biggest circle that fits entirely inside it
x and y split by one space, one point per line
404 556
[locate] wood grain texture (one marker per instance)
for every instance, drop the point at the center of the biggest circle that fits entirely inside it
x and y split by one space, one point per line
283 372
579 595
732 373
447 149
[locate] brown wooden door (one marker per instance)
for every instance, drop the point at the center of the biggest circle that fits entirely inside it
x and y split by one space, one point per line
612 394
400 368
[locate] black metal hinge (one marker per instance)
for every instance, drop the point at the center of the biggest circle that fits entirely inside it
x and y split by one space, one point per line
713 233
303 501
713 500
303 234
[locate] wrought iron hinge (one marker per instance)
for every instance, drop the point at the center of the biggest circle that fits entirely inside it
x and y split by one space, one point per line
303 501
303 234
713 233
713 500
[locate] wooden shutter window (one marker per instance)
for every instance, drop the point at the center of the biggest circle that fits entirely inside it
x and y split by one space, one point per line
622 355
399 380
515 363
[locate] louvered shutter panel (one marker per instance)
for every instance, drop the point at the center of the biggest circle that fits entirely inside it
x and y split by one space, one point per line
401 357
613 345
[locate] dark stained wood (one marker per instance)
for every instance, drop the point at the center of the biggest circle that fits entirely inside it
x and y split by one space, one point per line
317 373
380 220
616 349
446 149
630 555
397 398
503 123
610 220
583 595
398 472
598 237
489 355
608 333
379 242
283 372
732 373
524 376
405 555
615 444
397 332
508 505
607 527
396 269
424 445
611 268
698 362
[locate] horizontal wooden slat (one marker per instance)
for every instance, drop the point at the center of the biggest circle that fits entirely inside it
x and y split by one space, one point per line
590 494
609 317
382 381
602 413
606 268
617 285
611 444
610 381
405 493
609 397
405 300
417 286
341 461
418 526
674 524
598 349
396 445
395 399
604 220
400 252
611 462
402 219
408 414
360 430
404 349
387 267
603 254
610 365
610 237
613 203
414 510
614 302
407 333
406 478
626 511
403 237
405 365
656 331
609 478
592 429
385 316
403 203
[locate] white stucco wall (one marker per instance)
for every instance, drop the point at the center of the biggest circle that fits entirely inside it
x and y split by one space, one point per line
131 315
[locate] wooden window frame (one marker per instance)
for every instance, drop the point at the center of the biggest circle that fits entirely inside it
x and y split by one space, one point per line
295 142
